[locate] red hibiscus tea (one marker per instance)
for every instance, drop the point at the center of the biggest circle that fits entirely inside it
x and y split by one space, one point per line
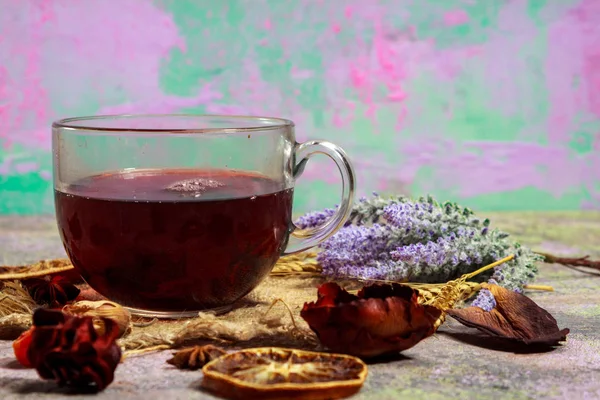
179 239
170 242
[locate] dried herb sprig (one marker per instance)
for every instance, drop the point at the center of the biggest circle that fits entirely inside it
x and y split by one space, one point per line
370 210
400 239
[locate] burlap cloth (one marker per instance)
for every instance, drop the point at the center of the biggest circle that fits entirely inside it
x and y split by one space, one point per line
268 316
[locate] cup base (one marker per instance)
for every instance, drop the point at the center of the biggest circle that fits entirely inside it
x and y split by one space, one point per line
177 314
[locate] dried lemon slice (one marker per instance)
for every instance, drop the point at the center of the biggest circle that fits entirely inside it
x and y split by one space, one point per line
278 373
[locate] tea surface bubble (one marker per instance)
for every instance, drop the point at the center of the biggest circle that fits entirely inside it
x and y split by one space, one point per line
194 187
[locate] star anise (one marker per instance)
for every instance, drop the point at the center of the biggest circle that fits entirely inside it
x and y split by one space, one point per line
195 357
55 291
69 350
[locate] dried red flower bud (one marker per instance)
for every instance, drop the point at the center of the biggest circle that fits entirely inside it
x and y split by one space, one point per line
381 319
55 291
69 350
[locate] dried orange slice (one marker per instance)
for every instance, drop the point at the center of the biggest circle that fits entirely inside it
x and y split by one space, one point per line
278 373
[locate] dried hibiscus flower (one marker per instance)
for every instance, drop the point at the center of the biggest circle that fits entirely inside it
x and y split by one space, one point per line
195 357
69 350
515 317
381 319
55 291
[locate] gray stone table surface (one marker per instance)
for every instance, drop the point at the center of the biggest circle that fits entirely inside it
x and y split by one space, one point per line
455 363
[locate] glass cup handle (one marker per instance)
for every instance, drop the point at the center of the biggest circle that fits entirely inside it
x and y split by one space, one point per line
303 239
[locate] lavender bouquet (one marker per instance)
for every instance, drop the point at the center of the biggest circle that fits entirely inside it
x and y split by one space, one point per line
400 239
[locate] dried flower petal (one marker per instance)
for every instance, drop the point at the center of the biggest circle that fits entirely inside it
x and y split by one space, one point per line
21 348
195 357
515 317
381 319
69 350
55 291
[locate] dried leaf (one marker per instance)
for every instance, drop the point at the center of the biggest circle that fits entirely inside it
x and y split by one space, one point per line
515 317
381 319
195 357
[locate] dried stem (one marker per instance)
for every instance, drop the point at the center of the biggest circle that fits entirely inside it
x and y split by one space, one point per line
571 261
450 293
487 267
131 353
544 288
139 324
34 274
279 300
301 263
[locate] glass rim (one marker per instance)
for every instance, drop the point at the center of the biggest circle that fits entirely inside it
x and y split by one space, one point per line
71 123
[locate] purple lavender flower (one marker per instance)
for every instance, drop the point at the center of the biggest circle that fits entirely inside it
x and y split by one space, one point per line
449 257
353 246
484 300
377 268
372 252
314 219
419 240
366 239
423 220
413 220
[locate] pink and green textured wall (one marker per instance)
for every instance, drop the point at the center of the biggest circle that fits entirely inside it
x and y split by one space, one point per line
494 103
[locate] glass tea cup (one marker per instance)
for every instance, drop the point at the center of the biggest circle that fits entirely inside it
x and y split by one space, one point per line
170 215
